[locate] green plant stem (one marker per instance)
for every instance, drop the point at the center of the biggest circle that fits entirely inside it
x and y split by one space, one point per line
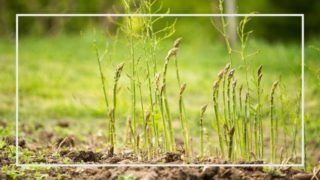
243 40
273 135
216 112
203 110
234 117
242 125
228 104
112 131
154 124
245 124
224 98
132 136
133 84
101 76
171 133
177 71
260 120
113 111
166 105
224 30
296 126
183 121
147 134
256 139
141 97
230 151
166 134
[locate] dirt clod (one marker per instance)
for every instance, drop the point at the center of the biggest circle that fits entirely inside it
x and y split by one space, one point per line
86 156
209 172
302 176
115 160
11 140
172 157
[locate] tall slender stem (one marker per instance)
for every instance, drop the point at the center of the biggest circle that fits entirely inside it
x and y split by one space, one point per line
133 83
101 76
261 140
203 110
273 135
215 95
114 108
183 121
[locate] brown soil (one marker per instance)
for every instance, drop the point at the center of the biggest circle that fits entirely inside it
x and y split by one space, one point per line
177 173
81 156
51 148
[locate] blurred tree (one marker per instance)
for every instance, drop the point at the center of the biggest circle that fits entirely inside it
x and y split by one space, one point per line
269 28
310 8
230 7
8 9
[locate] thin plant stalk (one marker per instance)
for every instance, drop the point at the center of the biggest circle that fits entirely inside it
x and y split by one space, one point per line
224 30
203 110
244 36
147 134
183 121
152 104
112 114
259 74
134 147
171 53
177 45
272 129
296 126
230 119
255 135
101 76
225 72
230 145
242 124
141 97
234 114
166 133
133 83
215 95
245 124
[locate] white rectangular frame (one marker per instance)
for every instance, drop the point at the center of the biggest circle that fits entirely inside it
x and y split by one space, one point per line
162 165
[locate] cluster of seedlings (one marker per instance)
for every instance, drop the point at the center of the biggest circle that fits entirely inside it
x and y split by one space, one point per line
240 119
241 129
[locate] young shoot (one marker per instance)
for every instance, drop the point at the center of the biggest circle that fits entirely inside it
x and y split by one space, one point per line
203 110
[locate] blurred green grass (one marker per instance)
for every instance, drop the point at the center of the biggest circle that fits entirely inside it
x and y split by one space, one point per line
59 75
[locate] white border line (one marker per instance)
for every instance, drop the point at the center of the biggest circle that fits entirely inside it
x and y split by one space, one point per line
17 89
302 93
161 165
157 15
